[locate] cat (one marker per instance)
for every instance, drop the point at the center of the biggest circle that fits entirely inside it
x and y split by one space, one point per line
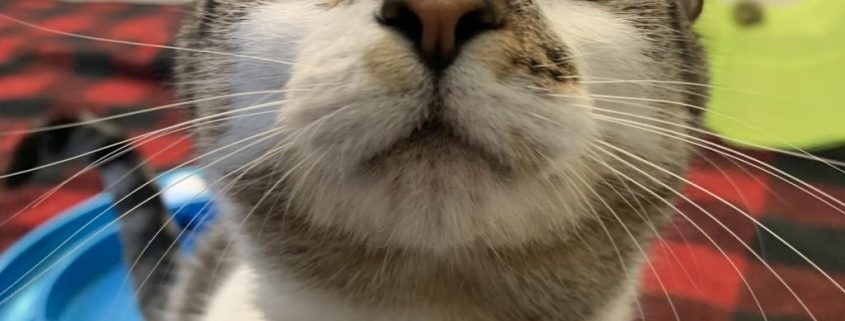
433 160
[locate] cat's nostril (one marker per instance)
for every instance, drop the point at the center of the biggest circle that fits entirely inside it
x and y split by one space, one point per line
439 27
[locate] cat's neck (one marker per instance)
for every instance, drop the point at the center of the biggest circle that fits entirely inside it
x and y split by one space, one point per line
573 279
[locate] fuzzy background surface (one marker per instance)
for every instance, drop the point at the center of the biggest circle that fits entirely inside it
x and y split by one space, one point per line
777 71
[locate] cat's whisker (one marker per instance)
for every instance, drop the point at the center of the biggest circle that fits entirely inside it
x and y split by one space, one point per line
276 184
273 212
133 43
605 80
243 170
640 42
111 155
780 174
780 239
318 123
164 226
730 180
634 240
116 204
769 169
693 223
257 139
642 210
137 141
584 200
314 126
756 222
801 152
641 213
143 136
579 202
685 91
735 208
632 101
730 159
135 112
741 166
569 208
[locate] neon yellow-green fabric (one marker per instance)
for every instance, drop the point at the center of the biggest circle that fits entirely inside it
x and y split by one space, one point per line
780 83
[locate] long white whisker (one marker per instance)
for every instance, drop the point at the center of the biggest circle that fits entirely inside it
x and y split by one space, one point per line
196 120
251 211
641 212
140 140
801 152
693 184
132 43
633 240
756 222
135 112
774 171
268 134
693 223
252 165
835 164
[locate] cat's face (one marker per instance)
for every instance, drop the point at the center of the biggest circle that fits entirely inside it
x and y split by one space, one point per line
440 123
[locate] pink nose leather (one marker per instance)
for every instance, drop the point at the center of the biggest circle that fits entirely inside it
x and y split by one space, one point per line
439 20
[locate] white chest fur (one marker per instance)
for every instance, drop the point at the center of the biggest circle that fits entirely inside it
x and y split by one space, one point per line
234 300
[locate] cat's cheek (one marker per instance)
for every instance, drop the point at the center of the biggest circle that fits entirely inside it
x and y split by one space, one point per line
610 74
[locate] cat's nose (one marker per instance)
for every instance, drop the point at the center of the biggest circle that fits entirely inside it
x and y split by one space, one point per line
439 27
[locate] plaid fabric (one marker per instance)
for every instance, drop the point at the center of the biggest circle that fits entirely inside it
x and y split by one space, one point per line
706 284
44 74
687 278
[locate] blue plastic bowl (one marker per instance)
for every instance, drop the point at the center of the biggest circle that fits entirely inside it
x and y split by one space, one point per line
71 268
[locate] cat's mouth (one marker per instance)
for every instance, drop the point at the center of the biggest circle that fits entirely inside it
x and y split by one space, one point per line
437 144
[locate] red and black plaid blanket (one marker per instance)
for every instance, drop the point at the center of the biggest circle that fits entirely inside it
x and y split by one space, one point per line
688 278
